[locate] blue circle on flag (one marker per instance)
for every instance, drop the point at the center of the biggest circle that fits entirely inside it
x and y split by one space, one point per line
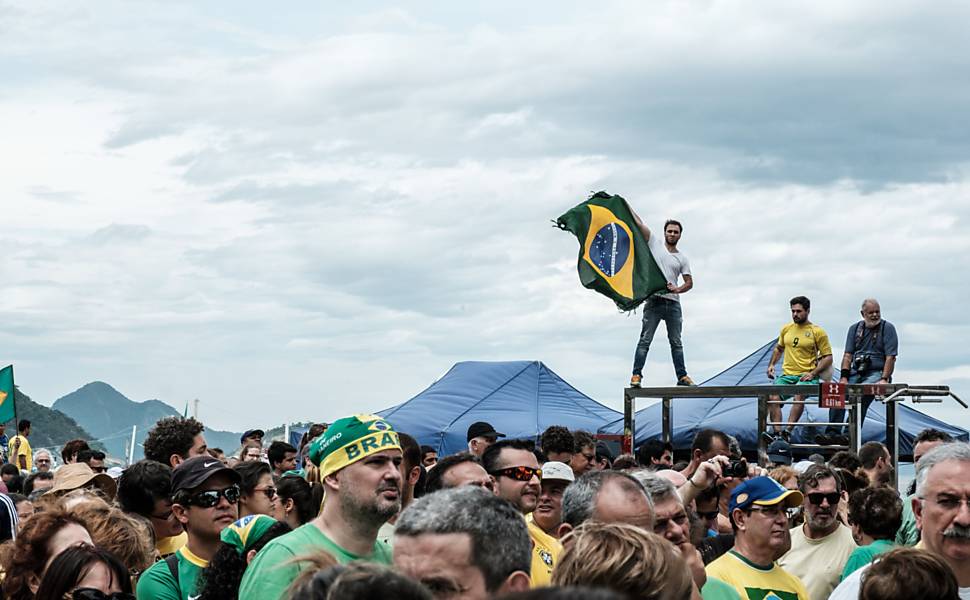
610 249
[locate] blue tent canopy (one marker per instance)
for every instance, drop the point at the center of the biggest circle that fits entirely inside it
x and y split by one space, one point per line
739 416
519 398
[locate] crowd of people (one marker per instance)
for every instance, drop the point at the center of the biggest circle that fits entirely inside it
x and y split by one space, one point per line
360 510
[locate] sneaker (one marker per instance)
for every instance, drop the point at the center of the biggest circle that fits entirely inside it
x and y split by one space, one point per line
786 435
686 381
823 440
768 437
635 381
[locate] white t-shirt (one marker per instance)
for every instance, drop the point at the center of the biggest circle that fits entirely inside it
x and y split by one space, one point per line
850 586
818 563
673 265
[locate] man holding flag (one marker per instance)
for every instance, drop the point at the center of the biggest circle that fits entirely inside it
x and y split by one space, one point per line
621 259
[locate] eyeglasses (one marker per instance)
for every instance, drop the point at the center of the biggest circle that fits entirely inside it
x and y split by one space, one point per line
164 517
709 515
100 469
518 473
210 498
772 512
269 490
43 461
96 594
817 497
949 503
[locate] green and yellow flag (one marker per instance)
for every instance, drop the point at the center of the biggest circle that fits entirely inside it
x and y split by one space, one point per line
614 258
7 410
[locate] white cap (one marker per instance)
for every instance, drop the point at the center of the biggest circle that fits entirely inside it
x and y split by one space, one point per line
558 471
802 466
115 472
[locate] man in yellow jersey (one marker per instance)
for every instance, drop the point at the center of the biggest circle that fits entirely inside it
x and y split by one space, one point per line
808 354
760 521
517 479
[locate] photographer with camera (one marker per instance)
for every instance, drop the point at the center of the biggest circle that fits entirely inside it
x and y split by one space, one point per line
871 346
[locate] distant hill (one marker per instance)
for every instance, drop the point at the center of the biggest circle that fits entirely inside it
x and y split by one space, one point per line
49 428
109 415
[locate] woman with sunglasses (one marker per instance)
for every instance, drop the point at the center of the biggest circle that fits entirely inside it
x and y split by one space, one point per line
258 492
84 572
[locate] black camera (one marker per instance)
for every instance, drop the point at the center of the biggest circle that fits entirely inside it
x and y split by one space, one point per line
861 363
736 468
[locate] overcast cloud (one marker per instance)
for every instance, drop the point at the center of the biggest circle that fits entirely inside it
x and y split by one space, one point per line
302 214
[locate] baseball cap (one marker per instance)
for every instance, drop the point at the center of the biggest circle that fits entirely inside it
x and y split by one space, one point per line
763 491
197 470
558 471
480 428
251 432
779 452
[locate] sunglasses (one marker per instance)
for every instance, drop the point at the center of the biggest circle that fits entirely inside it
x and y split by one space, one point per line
210 498
817 497
269 490
518 473
96 594
710 515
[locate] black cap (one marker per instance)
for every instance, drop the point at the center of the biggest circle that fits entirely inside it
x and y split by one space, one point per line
482 428
197 470
252 432
779 452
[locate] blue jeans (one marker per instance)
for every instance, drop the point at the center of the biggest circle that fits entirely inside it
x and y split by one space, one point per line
836 415
656 310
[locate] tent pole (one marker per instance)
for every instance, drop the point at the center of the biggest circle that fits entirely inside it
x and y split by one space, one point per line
626 446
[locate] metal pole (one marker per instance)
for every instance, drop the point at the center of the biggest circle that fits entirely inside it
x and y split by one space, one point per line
626 447
762 425
131 449
855 427
668 434
892 438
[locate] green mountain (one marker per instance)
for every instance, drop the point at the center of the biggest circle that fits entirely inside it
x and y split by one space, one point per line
109 415
49 428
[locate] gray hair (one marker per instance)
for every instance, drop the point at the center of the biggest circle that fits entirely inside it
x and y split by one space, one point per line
658 488
869 301
579 499
500 543
944 452
40 451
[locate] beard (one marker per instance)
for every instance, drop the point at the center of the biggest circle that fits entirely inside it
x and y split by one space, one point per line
369 507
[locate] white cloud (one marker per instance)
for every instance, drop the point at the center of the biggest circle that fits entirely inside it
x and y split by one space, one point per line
324 213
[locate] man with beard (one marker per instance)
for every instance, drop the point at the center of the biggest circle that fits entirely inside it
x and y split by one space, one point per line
517 476
871 346
359 459
876 464
556 477
942 507
821 546
760 521
204 497
808 354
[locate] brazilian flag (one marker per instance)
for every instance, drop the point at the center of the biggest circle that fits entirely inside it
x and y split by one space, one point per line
614 258
7 410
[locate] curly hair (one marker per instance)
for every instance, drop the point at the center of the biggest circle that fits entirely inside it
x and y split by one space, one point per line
877 511
27 556
626 559
220 580
583 439
909 573
171 435
557 438
71 449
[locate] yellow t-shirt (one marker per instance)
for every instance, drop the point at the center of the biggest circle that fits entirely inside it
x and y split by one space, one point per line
23 451
545 554
804 345
169 545
756 582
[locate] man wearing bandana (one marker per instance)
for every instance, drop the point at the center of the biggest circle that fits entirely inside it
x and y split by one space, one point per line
358 459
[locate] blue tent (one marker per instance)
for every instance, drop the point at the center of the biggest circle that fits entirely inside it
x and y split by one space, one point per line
519 398
739 416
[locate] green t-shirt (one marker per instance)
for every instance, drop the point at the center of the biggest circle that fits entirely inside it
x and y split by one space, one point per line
269 575
908 534
863 555
715 589
157 582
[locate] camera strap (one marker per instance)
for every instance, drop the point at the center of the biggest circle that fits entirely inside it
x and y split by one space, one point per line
860 330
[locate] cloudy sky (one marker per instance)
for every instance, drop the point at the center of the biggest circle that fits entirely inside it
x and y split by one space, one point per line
306 211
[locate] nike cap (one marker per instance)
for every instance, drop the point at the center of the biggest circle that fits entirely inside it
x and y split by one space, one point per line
197 470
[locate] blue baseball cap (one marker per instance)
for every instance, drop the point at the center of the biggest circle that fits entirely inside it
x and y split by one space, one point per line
763 491
779 452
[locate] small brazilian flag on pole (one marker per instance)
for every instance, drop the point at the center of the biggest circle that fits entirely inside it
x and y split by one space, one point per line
614 259
8 412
